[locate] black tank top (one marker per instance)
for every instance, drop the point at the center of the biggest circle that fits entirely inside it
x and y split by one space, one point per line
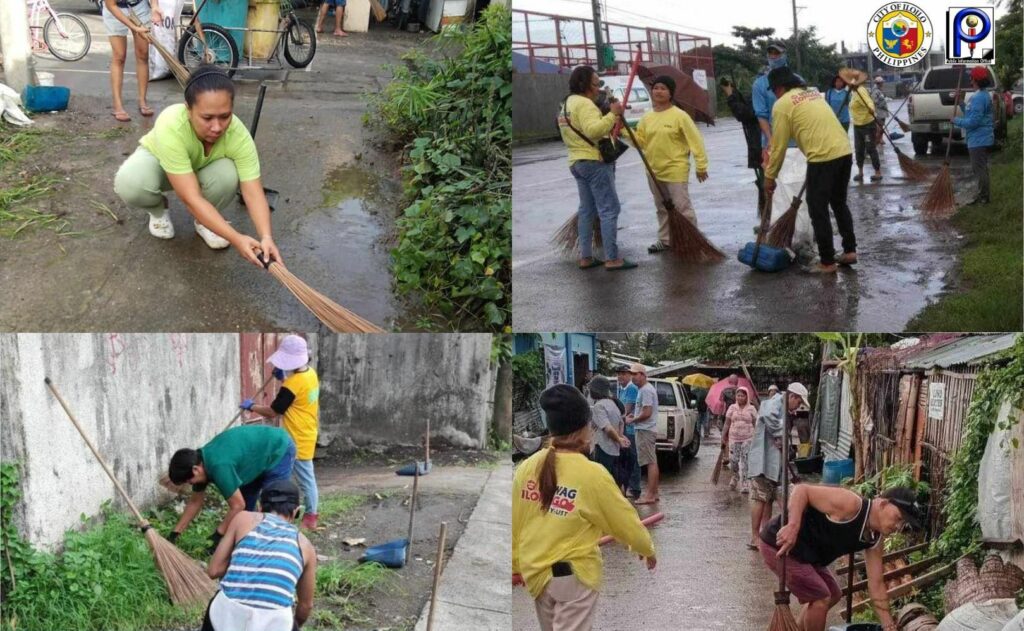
821 540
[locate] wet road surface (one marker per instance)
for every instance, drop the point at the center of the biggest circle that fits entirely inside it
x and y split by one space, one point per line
706 578
337 200
906 262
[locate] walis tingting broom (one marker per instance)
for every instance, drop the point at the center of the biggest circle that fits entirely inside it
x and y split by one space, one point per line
780 235
337 318
567 237
685 240
782 619
179 71
940 200
187 582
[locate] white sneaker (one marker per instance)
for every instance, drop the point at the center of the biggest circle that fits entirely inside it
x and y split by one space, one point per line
214 241
160 225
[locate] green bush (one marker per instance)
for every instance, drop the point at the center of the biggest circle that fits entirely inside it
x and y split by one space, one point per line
455 114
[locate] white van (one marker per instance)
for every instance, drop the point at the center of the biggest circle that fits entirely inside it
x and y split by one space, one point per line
639 102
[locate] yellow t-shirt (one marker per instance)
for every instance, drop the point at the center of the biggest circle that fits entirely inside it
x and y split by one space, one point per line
299 403
176 146
586 117
862 107
805 116
667 139
587 505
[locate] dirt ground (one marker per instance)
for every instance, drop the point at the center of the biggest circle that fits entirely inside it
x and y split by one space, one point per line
340 454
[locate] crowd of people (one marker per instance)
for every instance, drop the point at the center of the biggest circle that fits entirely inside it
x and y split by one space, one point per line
797 140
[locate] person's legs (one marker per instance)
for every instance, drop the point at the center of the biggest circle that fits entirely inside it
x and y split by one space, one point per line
872 149
587 212
140 183
545 608
634 470
659 205
647 456
858 149
321 16
219 183
573 604
679 192
339 14
142 71
606 200
743 454
306 476
979 166
806 583
251 492
818 194
840 176
118 54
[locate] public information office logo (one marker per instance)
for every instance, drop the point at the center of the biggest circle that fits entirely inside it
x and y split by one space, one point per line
971 33
900 34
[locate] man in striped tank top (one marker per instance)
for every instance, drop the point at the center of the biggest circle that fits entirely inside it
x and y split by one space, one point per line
265 565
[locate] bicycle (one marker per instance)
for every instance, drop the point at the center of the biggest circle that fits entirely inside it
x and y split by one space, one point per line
213 44
65 35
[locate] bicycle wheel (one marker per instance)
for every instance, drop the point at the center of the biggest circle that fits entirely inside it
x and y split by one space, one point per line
68 40
299 43
219 50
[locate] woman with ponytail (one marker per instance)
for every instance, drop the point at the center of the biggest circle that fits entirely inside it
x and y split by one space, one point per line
562 503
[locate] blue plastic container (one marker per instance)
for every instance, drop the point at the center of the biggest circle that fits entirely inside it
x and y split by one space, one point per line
45 98
835 471
769 259
229 14
390 554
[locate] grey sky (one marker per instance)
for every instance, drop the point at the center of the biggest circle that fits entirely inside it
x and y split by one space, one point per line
835 19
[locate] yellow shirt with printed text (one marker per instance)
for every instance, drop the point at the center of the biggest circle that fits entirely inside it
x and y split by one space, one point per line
805 116
586 117
587 505
302 417
862 107
667 139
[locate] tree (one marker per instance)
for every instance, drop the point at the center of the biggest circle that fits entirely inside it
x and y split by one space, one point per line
1009 36
750 35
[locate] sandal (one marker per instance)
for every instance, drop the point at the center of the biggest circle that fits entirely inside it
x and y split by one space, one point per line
626 264
657 247
858 178
145 110
122 116
592 264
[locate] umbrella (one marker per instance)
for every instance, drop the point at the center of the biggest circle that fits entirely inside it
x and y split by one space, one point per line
699 380
692 98
714 400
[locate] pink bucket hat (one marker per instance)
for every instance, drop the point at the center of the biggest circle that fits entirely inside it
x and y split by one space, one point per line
292 353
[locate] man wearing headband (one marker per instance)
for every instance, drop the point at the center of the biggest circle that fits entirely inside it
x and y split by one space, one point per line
829 522
265 565
204 153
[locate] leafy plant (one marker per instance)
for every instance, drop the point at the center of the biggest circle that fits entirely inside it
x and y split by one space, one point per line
455 114
527 378
847 348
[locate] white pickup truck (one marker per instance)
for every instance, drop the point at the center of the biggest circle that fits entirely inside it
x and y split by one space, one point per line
677 438
639 102
931 107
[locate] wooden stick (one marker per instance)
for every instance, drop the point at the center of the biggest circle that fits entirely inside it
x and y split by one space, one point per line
859 565
918 583
849 588
412 511
896 573
238 414
92 448
427 461
437 575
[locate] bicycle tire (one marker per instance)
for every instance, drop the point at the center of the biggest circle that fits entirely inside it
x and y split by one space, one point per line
51 33
217 39
292 37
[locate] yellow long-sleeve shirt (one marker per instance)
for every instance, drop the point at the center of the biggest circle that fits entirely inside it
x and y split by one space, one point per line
805 116
667 139
862 107
586 117
587 505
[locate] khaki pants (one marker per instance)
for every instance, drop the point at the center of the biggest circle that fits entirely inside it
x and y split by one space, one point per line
566 605
141 182
680 196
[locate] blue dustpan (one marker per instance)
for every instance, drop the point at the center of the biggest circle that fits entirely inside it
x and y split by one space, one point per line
390 554
769 259
410 469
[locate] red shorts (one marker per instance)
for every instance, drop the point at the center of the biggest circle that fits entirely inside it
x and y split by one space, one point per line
807 582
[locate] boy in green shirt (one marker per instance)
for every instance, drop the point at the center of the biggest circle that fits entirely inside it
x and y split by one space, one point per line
239 462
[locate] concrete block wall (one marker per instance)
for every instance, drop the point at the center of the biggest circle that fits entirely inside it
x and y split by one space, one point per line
383 387
139 397
535 102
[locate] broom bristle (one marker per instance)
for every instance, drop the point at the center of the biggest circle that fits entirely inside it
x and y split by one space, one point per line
179 71
689 243
940 200
567 237
782 620
780 235
911 168
187 582
337 318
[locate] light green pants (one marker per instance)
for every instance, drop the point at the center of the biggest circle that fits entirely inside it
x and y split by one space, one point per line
141 182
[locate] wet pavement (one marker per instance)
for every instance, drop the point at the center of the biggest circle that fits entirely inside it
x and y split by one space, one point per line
339 193
706 578
906 261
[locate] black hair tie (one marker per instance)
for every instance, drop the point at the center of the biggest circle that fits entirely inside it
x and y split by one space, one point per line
200 75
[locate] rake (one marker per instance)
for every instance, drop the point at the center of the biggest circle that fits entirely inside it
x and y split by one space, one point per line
179 71
940 200
337 318
687 241
912 169
187 582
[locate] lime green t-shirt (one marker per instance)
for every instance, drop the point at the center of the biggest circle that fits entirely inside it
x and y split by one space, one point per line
175 144
242 454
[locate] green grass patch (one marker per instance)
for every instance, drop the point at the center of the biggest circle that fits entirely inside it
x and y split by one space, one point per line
16 217
335 505
18 144
339 586
989 297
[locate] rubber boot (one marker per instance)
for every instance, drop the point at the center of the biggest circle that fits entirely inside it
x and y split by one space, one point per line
309 521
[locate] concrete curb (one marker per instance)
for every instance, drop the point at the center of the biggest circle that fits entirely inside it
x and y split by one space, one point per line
476 589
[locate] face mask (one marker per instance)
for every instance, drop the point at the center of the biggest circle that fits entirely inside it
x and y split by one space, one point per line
778 62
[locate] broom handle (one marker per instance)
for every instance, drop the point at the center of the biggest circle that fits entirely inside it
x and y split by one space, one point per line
259 108
142 521
665 199
877 124
412 511
956 99
619 124
238 414
785 480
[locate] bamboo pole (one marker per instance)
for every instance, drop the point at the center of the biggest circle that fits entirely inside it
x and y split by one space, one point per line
438 567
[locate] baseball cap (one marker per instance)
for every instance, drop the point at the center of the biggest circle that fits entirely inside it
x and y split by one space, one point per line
638 368
779 46
280 492
622 368
912 510
799 389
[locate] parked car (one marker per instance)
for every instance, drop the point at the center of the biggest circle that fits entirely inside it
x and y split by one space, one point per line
931 107
1017 97
677 439
639 102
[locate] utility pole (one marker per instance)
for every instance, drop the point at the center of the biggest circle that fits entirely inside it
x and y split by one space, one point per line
598 36
796 37
17 54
